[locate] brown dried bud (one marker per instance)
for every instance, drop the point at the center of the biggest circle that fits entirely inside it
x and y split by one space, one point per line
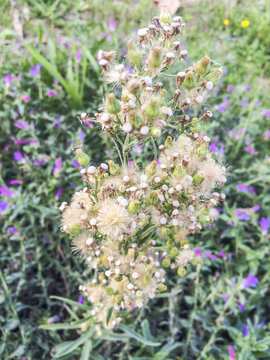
176 95
184 119
206 115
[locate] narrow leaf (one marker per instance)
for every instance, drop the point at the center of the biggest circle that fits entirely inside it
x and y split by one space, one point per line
137 336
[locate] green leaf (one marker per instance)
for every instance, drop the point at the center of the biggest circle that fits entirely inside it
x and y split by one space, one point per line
60 326
137 336
71 302
18 352
169 294
86 350
109 314
67 347
11 324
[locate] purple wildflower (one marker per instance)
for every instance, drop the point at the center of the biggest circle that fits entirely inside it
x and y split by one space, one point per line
15 182
4 191
211 256
51 93
255 208
213 148
241 306
223 255
76 164
246 88
57 166
230 88
245 330
12 230
25 98
264 223
47 240
53 319
265 112
88 123
35 70
231 353
244 102
3 206
18 156
197 251
81 135
267 134
242 187
57 121
21 125
81 300
58 193
131 164
250 150
8 79
78 56
112 24
250 281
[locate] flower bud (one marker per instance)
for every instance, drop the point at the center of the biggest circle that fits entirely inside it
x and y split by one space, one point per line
151 169
181 271
152 109
202 66
198 178
166 262
161 287
109 291
179 172
174 251
118 298
165 231
134 206
214 76
168 142
83 159
113 105
134 119
154 60
155 131
74 229
114 168
189 81
134 55
152 199
147 280
165 17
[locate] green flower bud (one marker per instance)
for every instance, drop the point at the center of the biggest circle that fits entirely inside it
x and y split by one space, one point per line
201 151
147 280
151 169
74 229
162 287
109 291
168 142
114 168
165 17
162 96
152 199
169 243
118 299
214 76
202 66
166 262
83 159
204 219
154 61
165 231
181 271
205 211
183 242
134 119
189 81
198 178
152 109
155 131
174 251
113 105
118 278
134 206
134 55
179 172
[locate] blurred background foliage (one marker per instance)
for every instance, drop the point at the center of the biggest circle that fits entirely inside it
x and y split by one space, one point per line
49 75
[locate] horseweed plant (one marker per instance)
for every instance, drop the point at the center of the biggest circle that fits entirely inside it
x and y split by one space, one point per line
131 224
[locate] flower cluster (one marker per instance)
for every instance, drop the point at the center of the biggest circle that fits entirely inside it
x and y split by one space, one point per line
143 107
132 224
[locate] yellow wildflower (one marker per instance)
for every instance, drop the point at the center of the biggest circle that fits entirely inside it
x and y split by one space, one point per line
226 22
245 23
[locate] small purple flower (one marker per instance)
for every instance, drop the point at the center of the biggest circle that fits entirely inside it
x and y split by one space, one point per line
242 187
267 134
39 162
241 214
12 230
223 255
112 24
81 135
213 148
3 206
21 125
81 300
255 208
47 240
131 164
245 330
211 256
250 281
246 88
4 191
57 122
230 88
265 112
250 150
264 223
57 166
76 164
231 353
244 102
18 156
25 98
197 251
222 107
51 93
241 306
8 79
15 182
35 70
58 193
53 319
88 123
78 56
